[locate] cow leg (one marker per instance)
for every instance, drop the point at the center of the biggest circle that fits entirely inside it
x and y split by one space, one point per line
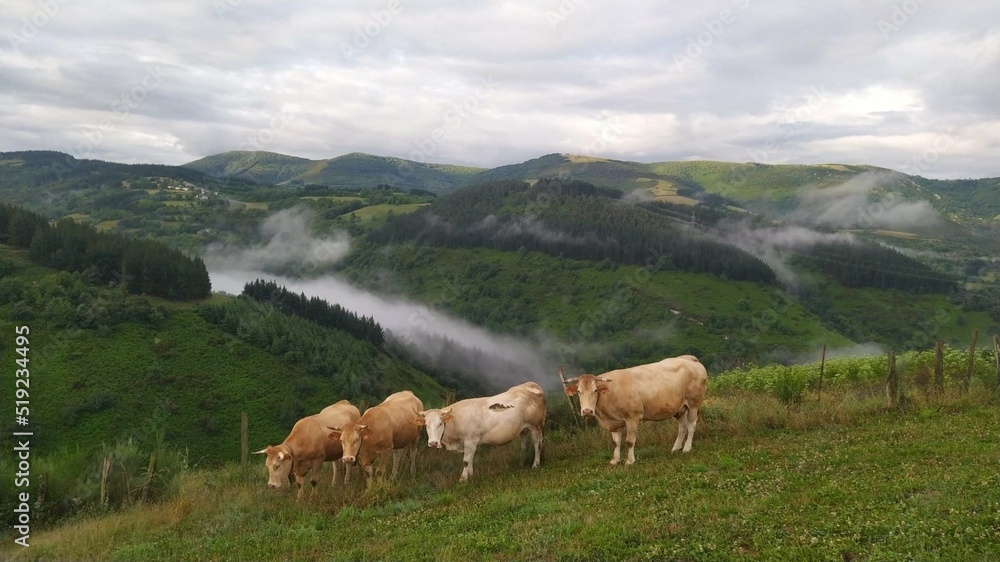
682 430
413 459
631 433
397 454
690 423
616 436
536 437
333 481
347 472
300 479
469 453
370 473
314 471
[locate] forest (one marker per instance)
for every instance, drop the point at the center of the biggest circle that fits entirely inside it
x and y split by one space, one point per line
569 219
142 266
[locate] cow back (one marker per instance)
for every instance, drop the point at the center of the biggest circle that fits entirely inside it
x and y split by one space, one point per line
655 391
338 415
498 419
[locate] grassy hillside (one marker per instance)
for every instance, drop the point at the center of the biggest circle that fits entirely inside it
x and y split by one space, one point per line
148 367
762 483
351 171
259 166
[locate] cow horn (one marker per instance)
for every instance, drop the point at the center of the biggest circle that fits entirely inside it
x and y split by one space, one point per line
362 426
333 428
570 381
602 379
445 411
260 452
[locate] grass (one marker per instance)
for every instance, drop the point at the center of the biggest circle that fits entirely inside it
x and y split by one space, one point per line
838 479
375 212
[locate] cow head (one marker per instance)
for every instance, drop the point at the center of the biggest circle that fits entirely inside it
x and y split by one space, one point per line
433 421
589 388
351 436
279 464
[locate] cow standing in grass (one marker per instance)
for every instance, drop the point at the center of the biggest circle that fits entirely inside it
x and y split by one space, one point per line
620 399
496 420
306 448
388 428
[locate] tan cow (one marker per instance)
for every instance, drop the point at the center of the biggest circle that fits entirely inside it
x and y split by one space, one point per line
496 420
306 448
386 428
620 399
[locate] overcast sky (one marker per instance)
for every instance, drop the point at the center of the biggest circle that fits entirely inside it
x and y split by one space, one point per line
911 85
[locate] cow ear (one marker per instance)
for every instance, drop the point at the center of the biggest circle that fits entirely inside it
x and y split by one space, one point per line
365 433
281 456
603 388
447 416
571 390
334 435
419 420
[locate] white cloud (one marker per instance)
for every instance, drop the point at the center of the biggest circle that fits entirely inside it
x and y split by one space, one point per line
746 82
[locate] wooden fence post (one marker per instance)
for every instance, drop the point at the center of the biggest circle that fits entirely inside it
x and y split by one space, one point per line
939 366
244 441
891 381
572 408
105 475
822 363
972 361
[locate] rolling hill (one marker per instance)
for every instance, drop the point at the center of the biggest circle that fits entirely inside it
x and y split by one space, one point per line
351 171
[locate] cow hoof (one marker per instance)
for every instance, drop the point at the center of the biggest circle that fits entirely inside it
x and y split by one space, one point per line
613 463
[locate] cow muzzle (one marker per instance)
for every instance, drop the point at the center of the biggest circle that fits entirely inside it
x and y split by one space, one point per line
587 412
349 460
434 444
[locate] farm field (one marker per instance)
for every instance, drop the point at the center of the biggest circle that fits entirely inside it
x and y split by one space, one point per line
841 479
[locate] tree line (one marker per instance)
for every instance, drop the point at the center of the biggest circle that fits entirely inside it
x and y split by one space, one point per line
571 219
315 309
865 264
142 266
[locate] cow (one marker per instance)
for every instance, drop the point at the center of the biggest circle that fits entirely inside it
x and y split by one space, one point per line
620 399
306 448
495 420
386 428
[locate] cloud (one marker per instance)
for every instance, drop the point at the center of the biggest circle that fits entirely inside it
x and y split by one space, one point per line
775 244
421 328
740 91
442 340
860 203
288 246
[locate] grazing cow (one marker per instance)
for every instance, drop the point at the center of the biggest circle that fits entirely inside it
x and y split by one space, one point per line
387 427
306 448
620 399
496 420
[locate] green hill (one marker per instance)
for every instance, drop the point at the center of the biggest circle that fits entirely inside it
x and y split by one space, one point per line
106 365
352 171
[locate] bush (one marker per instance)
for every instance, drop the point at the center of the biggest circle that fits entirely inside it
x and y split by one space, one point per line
69 481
